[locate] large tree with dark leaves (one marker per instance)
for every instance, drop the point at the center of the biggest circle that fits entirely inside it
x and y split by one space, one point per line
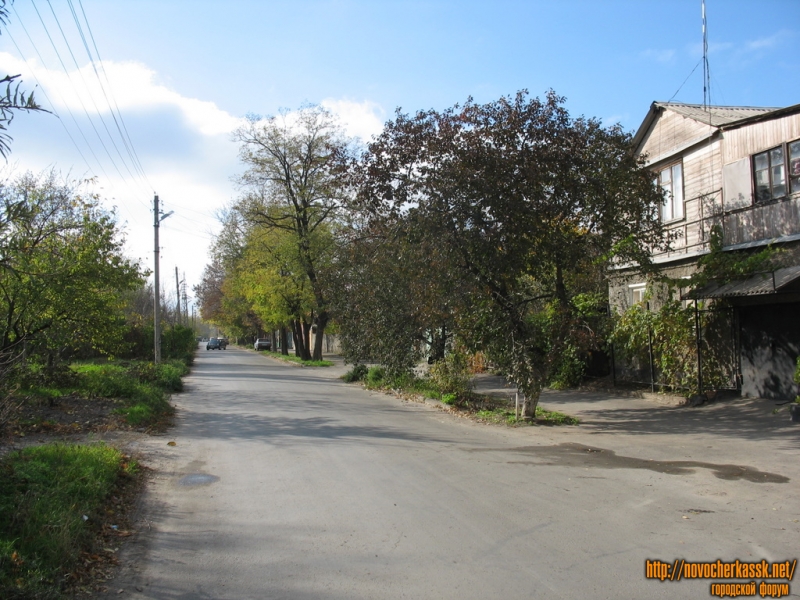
528 204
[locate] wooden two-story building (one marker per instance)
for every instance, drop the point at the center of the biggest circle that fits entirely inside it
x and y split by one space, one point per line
736 168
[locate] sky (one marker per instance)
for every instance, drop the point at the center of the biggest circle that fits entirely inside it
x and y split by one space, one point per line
180 76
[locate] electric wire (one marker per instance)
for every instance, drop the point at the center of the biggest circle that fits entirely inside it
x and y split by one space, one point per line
91 96
83 105
53 107
103 69
65 103
117 116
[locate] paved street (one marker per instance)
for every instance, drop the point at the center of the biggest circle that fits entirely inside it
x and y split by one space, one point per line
287 483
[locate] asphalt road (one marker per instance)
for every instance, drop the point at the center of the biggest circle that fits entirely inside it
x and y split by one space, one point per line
287 483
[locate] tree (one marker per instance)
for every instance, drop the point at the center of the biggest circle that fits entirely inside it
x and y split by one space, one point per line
272 277
292 185
219 294
530 204
62 270
395 297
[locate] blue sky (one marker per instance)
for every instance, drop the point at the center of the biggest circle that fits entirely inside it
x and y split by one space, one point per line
184 72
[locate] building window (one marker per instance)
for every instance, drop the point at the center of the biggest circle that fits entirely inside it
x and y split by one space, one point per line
770 174
794 165
671 181
637 292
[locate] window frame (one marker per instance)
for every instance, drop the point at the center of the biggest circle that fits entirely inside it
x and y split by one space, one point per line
793 170
791 184
670 192
633 288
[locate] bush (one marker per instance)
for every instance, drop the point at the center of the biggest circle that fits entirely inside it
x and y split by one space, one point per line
449 398
106 381
357 373
165 375
176 343
376 375
146 401
452 375
569 371
797 377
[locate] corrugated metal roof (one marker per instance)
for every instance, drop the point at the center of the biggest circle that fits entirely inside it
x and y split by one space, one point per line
775 282
715 115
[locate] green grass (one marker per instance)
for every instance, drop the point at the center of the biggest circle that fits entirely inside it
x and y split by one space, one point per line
504 415
296 359
376 377
51 503
143 387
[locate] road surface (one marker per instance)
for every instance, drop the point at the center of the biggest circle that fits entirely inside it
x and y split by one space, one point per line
287 483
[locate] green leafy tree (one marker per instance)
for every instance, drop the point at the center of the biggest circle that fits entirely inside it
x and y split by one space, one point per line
292 184
62 270
395 296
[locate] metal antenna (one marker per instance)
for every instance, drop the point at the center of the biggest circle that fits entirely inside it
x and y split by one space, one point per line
706 73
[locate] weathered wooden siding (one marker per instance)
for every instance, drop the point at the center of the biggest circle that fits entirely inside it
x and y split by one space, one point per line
703 182
672 131
702 170
751 139
762 222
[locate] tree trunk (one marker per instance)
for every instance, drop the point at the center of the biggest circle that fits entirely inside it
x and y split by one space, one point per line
306 329
273 341
529 405
297 335
284 341
322 322
301 330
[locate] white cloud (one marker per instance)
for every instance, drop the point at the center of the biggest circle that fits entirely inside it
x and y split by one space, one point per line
768 42
130 84
359 119
662 56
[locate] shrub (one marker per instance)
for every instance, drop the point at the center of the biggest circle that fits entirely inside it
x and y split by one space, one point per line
797 377
357 373
106 381
452 375
569 370
146 401
165 375
449 398
376 375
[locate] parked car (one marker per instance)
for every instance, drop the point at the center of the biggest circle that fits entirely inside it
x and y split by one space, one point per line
263 344
213 344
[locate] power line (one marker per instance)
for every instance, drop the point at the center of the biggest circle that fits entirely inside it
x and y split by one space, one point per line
52 105
85 83
126 139
64 102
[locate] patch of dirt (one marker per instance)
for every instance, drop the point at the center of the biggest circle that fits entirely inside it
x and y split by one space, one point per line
33 421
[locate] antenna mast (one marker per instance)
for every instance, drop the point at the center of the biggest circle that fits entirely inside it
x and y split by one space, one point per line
706 73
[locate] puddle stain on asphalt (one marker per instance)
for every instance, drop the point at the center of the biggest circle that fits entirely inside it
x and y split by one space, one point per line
578 455
195 479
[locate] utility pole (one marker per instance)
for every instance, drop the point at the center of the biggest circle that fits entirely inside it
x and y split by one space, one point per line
157 218
177 297
185 300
